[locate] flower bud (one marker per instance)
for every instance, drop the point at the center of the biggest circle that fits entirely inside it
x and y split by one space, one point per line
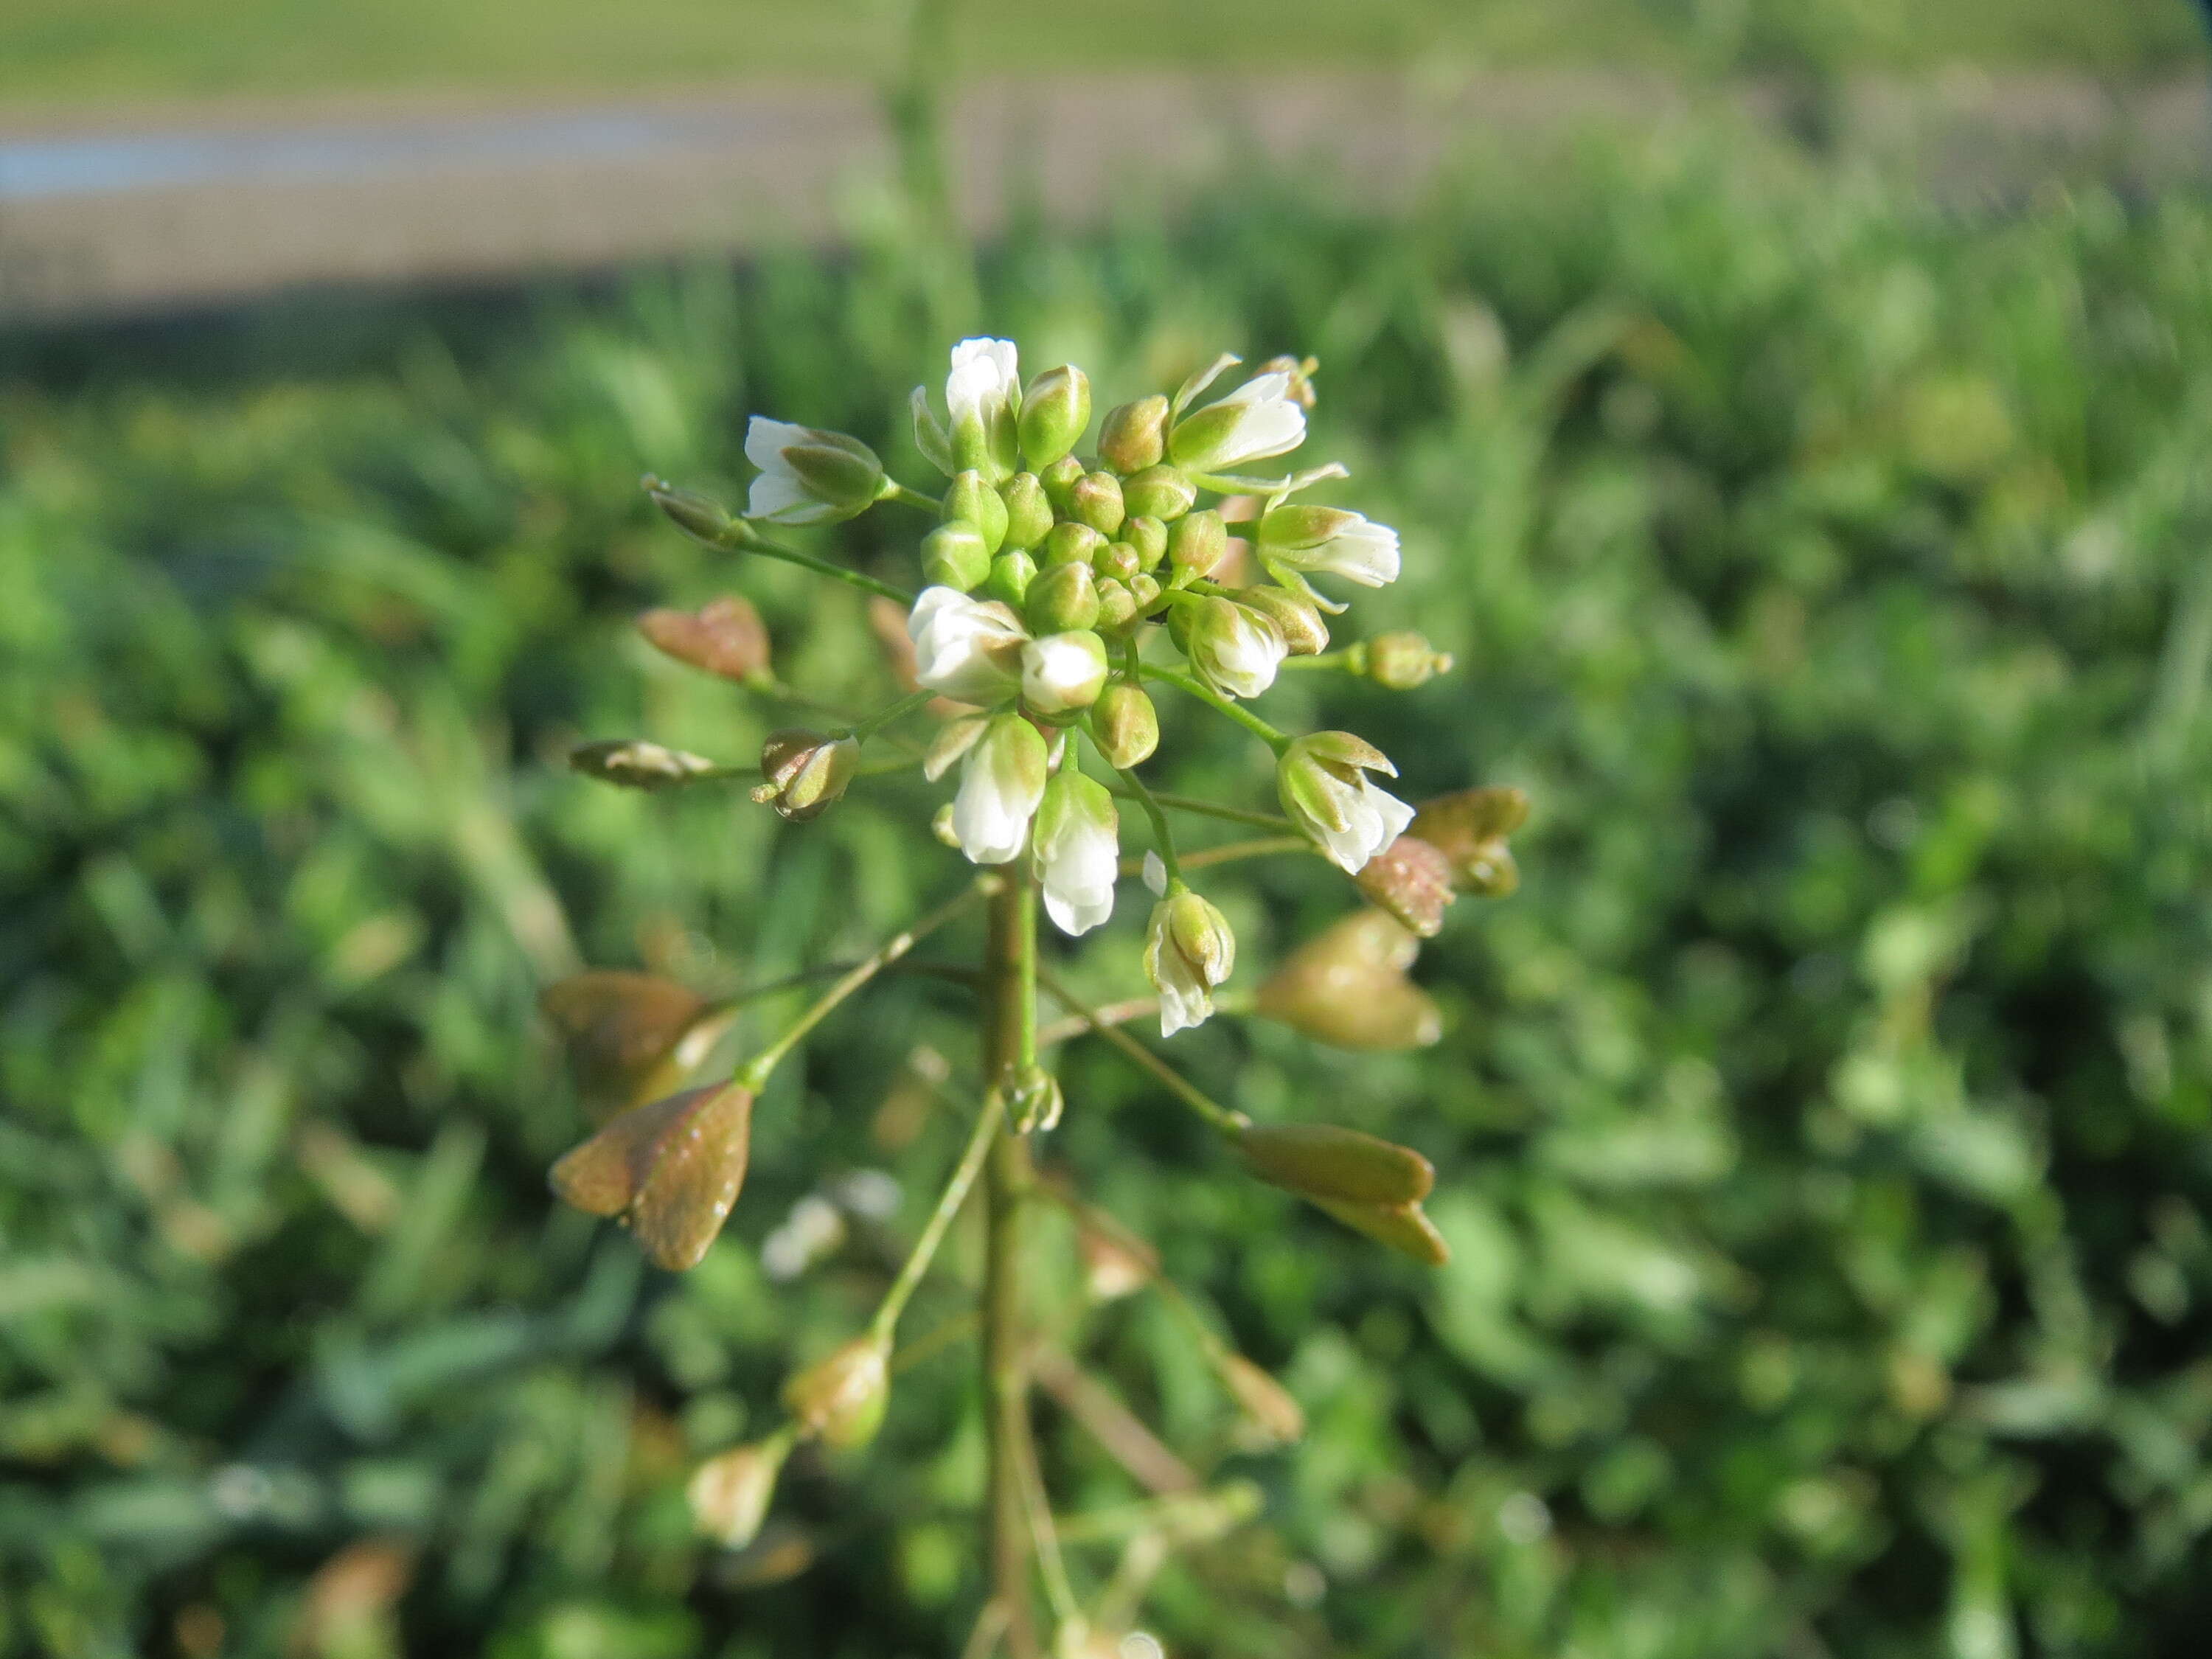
1149 537
1117 605
984 394
1029 511
1125 725
1001 781
1346 986
636 764
956 555
1329 541
724 637
971 501
1076 848
1159 492
1096 500
1323 781
1411 880
1406 1228
1260 420
701 518
1118 560
841 1399
1266 1403
1034 1101
802 772
669 1170
1064 596
1199 544
1133 436
1469 828
1054 412
1234 650
729 1492
1145 590
1072 543
1058 480
1063 672
1188 950
808 475
1298 620
1012 573
1402 662
1321 1160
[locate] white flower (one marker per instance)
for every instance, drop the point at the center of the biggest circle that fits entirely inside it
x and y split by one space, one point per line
1234 648
1078 850
808 475
1000 784
1329 541
983 395
1063 671
1323 783
968 650
1188 950
1258 420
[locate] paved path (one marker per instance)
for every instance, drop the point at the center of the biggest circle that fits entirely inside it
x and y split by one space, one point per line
159 210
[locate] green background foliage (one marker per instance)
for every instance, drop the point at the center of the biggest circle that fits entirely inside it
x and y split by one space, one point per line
1821 1128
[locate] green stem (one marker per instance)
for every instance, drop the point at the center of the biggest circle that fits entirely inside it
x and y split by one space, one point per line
755 1072
871 725
1230 853
750 540
1257 820
1244 717
1221 1117
948 1206
1006 1179
1133 788
1352 660
893 491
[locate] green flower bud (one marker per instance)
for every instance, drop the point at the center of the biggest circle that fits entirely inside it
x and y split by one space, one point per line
842 1399
1188 950
1320 1160
1234 649
1064 599
1010 576
1133 436
1118 560
1058 480
972 501
808 475
1117 607
1400 662
1072 543
1145 589
1125 725
1054 412
983 395
1149 537
701 518
956 555
803 772
729 1492
1323 781
1298 620
1028 512
1199 544
636 764
1159 492
1096 500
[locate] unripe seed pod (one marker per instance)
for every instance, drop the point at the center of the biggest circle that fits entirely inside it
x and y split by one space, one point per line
1012 573
1117 607
1346 986
1400 662
1118 560
1159 492
1470 828
1072 543
1146 589
1063 600
955 555
1096 500
1149 537
1058 479
1412 881
729 1492
1266 1404
1055 409
1125 725
842 1399
1298 620
1322 1160
803 772
1134 436
1406 1228
1028 512
972 501
701 518
1199 544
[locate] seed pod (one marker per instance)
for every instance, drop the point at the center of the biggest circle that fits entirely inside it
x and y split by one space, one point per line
669 1170
729 1492
630 1036
1064 599
1266 1404
1159 492
972 501
841 1399
1322 1160
1054 412
956 555
725 637
1412 881
803 772
1125 725
1058 481
1012 573
1199 544
1096 500
1402 662
1470 829
1406 1228
1346 986
1028 512
1298 620
1134 436
1071 544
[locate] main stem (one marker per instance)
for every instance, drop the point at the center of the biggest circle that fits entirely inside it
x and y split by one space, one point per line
1007 1002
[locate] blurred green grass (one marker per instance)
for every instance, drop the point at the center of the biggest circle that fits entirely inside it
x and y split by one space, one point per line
121 49
1821 1129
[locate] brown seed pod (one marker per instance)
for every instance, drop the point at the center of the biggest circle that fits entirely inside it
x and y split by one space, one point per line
669 1170
1470 829
1324 1161
1347 986
725 637
1412 880
630 1037
1406 1228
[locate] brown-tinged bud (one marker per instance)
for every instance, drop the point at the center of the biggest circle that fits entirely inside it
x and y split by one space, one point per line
1125 725
1058 481
1064 599
972 501
636 764
1161 492
1347 986
725 637
1198 542
701 518
1402 662
1096 500
1470 829
1054 412
841 1399
729 1492
1118 560
1012 573
1149 537
1406 1228
1134 436
1028 512
802 772
1266 1403
1071 544
669 1170
1412 881
1324 1160
1298 620
630 1036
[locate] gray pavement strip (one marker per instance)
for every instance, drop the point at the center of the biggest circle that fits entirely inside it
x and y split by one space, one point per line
160 211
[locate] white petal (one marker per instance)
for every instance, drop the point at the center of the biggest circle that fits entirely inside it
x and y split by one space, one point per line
1156 875
777 495
767 440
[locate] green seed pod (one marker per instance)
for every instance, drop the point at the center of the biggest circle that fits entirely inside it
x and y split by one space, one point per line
955 555
1118 560
1320 1160
1117 607
1072 543
1029 513
1010 576
1058 479
1406 1228
1199 544
1133 436
1159 492
1125 724
1400 662
1146 589
1054 412
1063 600
972 501
1298 620
1149 537
1096 500
842 1399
